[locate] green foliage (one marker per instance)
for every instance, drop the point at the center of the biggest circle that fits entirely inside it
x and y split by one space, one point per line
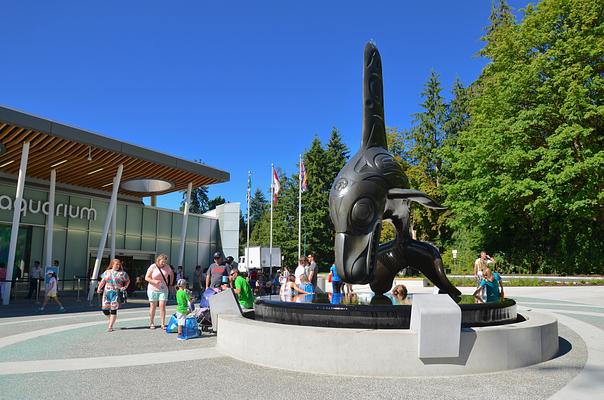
530 176
322 166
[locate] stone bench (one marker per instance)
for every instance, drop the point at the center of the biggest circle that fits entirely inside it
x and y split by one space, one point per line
436 319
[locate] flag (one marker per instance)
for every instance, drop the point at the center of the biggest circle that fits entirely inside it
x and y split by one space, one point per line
276 185
302 177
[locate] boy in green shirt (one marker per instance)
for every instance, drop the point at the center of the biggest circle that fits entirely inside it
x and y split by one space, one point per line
182 306
242 289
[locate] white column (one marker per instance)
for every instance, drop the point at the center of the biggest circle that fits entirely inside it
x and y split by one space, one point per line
103 241
50 220
270 240
247 243
14 233
113 229
183 231
299 204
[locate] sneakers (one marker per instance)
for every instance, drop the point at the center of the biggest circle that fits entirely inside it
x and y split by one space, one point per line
62 309
41 308
180 338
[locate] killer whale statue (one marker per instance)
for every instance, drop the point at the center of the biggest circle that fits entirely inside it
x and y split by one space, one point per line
371 188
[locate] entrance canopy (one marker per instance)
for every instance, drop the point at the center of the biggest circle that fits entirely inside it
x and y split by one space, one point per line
86 159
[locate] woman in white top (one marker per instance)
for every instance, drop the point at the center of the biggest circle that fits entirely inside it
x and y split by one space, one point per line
289 288
158 275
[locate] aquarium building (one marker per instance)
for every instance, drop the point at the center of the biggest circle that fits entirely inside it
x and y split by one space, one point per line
66 192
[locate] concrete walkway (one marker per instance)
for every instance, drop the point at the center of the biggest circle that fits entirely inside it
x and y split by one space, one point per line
52 355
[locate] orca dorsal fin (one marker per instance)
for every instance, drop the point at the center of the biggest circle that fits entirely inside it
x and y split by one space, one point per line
374 127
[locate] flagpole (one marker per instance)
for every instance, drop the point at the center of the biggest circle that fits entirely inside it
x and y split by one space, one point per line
299 204
270 245
247 246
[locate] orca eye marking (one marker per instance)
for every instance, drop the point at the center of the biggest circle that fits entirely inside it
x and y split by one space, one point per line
363 212
341 184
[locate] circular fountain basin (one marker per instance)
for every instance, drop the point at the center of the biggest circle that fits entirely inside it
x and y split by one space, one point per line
369 311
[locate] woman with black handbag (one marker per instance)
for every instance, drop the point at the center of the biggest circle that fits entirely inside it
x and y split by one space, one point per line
114 282
158 275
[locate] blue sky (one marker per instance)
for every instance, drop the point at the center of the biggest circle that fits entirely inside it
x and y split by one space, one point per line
238 84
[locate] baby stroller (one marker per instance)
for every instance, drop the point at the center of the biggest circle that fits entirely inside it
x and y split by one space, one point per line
204 319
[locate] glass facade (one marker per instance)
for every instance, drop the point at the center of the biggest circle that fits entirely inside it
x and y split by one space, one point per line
141 232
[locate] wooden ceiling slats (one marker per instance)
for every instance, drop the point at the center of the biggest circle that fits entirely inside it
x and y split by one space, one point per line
46 150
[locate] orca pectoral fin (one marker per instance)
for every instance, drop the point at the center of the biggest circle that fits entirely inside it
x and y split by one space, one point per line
415 195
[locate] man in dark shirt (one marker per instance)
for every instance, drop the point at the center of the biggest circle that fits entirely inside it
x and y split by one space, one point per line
216 271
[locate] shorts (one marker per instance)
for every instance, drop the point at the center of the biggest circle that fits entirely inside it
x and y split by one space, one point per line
157 295
181 318
110 300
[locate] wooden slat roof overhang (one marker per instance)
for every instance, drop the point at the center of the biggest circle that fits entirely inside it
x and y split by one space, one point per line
52 142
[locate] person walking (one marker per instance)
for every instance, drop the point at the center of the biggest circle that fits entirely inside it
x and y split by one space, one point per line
35 274
158 275
113 281
336 280
50 292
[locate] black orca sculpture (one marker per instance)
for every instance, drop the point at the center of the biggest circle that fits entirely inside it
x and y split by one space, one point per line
372 188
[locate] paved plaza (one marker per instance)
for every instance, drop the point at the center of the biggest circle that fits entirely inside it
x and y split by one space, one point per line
52 356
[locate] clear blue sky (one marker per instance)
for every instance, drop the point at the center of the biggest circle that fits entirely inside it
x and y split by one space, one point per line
238 84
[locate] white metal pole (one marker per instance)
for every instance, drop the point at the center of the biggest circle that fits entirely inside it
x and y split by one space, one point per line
103 241
183 231
113 229
270 243
249 194
14 232
50 220
299 204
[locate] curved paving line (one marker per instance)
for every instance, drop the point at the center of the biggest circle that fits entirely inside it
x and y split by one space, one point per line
128 360
21 337
589 383
68 316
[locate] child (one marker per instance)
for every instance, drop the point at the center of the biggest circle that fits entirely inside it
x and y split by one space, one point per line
51 292
182 306
305 284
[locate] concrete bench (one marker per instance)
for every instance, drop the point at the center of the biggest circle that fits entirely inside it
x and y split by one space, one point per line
436 319
224 302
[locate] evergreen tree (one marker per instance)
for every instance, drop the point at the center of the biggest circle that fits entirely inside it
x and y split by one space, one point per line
258 204
215 202
199 200
424 144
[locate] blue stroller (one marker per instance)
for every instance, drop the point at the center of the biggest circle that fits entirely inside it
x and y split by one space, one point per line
204 319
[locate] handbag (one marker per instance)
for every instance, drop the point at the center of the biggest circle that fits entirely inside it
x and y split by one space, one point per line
329 277
122 296
172 326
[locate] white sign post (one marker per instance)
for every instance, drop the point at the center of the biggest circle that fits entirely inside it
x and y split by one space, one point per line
454 252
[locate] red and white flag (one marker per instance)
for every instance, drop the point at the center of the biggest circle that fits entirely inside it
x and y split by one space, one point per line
276 185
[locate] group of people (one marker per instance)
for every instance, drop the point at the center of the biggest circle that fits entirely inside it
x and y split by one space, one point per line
159 275
488 281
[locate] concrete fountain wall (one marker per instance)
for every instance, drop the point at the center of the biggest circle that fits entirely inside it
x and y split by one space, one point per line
385 353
